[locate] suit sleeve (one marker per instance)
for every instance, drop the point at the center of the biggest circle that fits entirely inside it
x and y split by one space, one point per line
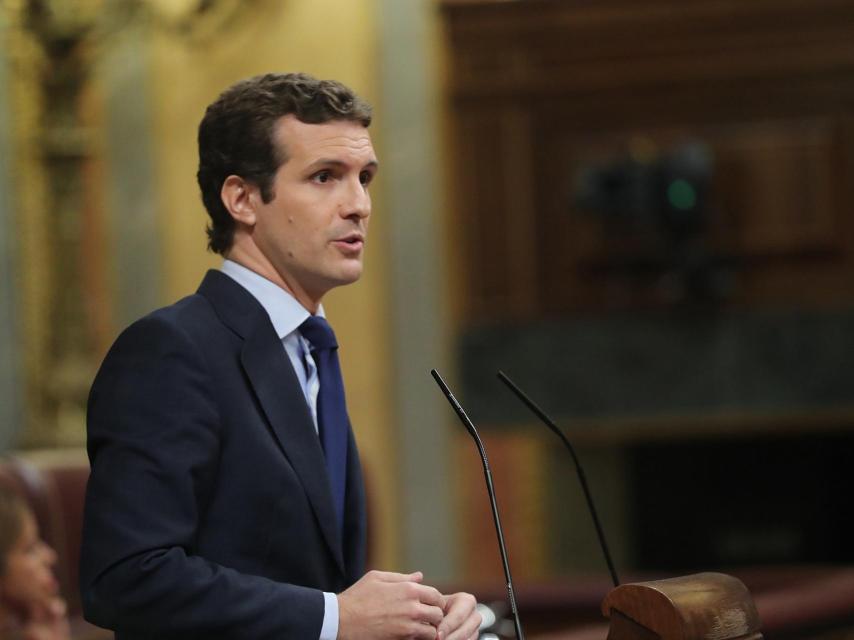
153 443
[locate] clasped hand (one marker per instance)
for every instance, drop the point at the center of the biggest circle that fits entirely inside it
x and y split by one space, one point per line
384 605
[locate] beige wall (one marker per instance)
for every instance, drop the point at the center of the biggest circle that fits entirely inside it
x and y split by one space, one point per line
330 39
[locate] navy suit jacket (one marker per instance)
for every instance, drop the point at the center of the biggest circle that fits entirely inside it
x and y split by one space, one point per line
209 512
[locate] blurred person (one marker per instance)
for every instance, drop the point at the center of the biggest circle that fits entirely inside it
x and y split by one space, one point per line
226 497
30 605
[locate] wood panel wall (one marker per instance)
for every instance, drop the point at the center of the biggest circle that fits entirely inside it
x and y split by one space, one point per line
540 90
543 88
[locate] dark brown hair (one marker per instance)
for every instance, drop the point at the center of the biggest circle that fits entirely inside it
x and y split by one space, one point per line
236 135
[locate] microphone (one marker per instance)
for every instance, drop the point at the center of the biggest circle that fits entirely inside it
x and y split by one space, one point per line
491 490
581 477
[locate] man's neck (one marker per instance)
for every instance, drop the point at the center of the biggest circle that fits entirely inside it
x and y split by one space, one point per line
259 264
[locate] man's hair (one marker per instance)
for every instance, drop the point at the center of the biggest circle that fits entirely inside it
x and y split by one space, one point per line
12 513
236 135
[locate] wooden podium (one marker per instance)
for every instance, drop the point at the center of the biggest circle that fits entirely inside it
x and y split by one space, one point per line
702 606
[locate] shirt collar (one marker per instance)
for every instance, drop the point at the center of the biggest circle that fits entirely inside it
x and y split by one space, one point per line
285 312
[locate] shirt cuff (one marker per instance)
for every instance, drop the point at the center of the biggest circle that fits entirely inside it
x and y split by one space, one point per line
329 630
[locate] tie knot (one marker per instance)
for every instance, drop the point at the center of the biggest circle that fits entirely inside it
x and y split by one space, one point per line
318 332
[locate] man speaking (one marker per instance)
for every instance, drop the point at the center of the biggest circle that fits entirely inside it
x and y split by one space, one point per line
226 498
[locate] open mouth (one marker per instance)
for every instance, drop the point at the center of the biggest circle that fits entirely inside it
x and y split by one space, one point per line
350 247
351 242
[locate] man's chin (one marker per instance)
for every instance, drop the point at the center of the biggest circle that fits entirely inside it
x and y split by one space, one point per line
322 283
348 275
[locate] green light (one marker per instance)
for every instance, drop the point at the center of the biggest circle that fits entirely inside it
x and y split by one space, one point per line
681 195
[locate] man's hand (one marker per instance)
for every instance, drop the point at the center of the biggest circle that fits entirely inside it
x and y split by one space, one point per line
461 621
383 605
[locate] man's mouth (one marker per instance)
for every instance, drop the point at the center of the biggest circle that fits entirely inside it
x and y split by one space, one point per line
353 238
352 242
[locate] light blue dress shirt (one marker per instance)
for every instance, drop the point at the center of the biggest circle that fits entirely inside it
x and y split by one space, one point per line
287 315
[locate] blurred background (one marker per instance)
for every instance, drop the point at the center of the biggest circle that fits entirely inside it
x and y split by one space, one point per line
641 212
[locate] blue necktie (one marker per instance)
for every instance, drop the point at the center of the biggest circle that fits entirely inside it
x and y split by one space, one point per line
332 421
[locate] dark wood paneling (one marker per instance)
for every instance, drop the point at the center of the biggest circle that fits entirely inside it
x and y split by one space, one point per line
588 311
542 88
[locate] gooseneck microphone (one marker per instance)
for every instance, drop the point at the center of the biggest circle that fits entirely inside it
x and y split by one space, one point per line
579 470
491 490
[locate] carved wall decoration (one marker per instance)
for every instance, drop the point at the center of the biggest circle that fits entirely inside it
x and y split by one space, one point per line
54 46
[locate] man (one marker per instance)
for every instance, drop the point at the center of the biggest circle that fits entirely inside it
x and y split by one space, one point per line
226 497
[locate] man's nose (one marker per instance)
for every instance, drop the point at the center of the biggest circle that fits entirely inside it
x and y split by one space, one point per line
356 200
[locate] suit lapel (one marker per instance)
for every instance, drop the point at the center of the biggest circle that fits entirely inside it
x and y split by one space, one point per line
355 534
278 391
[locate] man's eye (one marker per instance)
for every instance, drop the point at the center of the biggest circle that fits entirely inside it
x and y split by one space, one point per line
365 177
322 177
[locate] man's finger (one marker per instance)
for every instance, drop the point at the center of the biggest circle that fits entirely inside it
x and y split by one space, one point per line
391 576
461 617
421 631
467 630
429 595
430 615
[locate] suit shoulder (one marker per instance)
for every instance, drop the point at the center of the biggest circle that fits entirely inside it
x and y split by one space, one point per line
188 310
186 324
184 316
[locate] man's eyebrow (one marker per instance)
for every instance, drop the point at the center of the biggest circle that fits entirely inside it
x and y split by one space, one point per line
333 162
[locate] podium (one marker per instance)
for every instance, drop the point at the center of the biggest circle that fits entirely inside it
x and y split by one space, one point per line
702 606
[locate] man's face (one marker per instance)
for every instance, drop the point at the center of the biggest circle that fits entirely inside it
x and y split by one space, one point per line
314 229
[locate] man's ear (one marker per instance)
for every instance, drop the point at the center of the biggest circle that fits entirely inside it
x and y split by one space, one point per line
240 198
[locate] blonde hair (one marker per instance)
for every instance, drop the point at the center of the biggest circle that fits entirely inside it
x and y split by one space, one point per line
12 512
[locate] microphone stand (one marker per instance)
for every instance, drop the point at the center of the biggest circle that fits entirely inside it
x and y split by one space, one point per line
467 423
582 478
684 608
